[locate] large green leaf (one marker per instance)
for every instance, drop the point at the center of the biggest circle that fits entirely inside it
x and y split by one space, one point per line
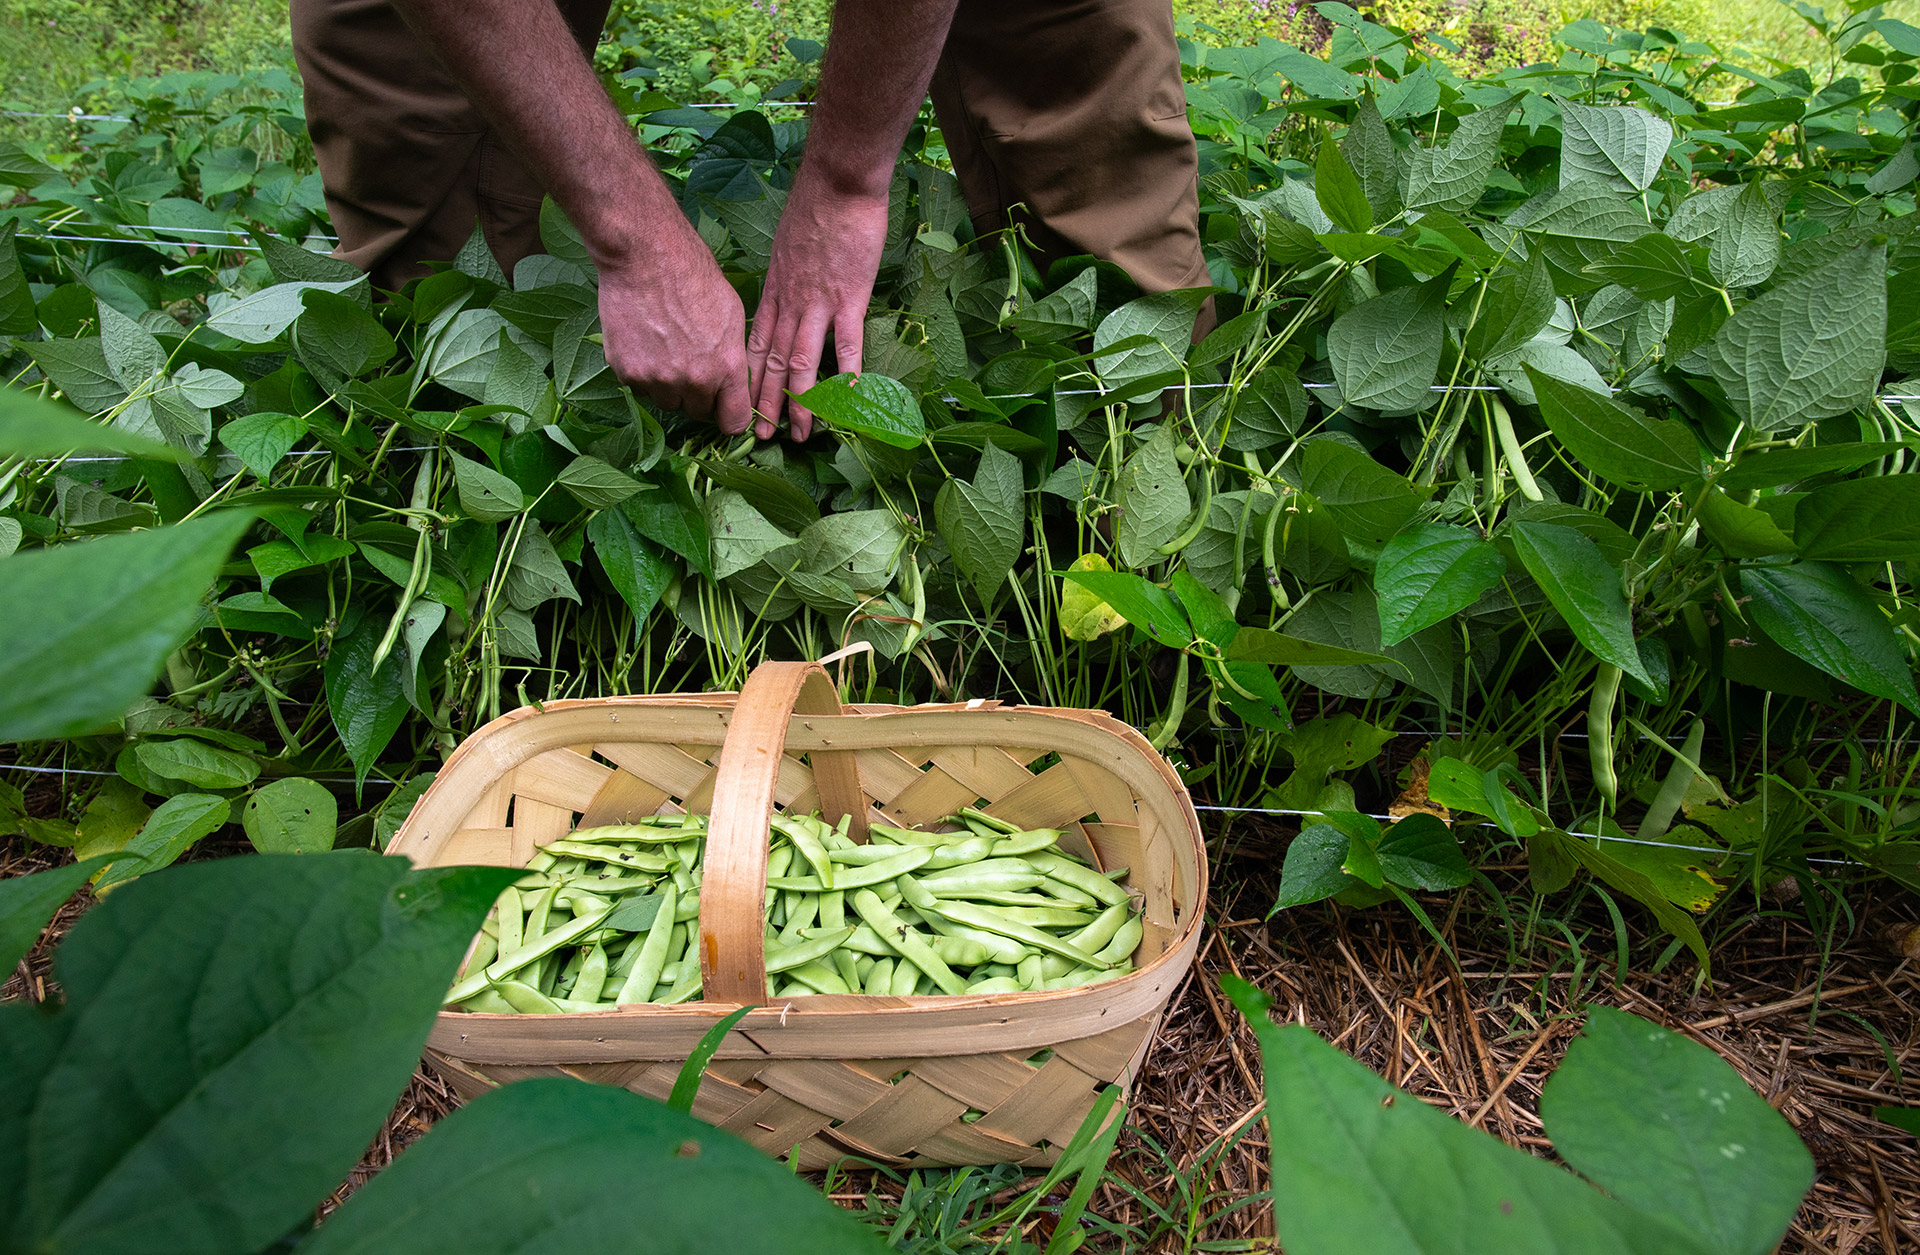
1368 501
1810 348
1861 520
234 1033
671 518
1314 867
1516 306
1429 573
1420 852
1653 266
1276 649
983 521
1585 588
1386 351
28 903
485 493
1617 441
89 623
1582 223
1153 499
638 572
34 428
1146 605
291 816
259 318
367 706
1815 611
870 405
1338 190
1666 1126
1745 249
1622 145
1165 318
551 1164
1359 1165
1453 176
173 828
196 762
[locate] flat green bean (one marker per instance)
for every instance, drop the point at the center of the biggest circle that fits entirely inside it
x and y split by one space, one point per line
867 904
639 984
986 921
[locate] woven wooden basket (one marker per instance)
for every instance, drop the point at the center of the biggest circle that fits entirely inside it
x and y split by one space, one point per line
996 1078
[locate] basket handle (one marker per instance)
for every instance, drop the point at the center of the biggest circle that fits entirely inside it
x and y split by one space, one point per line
732 901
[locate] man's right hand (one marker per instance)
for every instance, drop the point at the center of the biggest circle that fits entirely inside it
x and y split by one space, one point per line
673 329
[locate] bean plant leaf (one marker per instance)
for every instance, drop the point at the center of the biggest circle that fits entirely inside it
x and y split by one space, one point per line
597 484
367 706
870 405
89 625
231 1037
1084 615
1620 144
1861 520
1585 588
670 517
637 570
1517 305
263 316
1368 501
1353 1140
1338 190
1746 248
262 440
1276 649
1653 266
28 904
31 427
1420 852
173 828
291 816
1429 573
1698 1148
1147 606
485 493
1386 351
1314 867
1615 440
1453 176
984 521
199 764
1153 499
577 1149
1815 611
1810 348
1166 319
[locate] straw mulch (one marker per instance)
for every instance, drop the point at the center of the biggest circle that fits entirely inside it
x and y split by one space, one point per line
1476 1043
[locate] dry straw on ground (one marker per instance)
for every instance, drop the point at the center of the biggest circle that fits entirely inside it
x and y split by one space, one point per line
1477 1043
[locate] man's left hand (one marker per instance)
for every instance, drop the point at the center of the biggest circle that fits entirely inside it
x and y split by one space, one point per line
825 255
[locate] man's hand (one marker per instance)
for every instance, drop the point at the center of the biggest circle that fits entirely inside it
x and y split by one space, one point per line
672 328
825 254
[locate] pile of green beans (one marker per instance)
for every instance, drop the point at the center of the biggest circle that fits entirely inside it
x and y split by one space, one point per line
609 916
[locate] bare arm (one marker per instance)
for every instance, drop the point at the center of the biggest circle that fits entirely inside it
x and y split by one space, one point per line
879 62
672 325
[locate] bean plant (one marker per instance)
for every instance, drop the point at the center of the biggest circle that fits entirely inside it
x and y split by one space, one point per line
1549 456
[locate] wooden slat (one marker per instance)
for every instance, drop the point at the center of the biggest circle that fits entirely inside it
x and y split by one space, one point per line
774 1122
1051 799
908 1112
962 1143
1106 1056
562 777
934 796
489 810
1112 800
824 1085
885 774
1058 1091
981 1081
986 769
622 799
488 847
1115 845
1153 875
537 823
665 766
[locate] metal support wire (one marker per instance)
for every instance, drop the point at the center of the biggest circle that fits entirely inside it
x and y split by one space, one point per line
1591 836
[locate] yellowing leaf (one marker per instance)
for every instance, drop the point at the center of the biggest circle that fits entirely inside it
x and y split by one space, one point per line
1083 616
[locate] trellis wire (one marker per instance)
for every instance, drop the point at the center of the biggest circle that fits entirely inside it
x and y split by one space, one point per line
1592 836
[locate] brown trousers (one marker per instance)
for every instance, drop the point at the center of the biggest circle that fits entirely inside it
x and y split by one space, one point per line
1072 110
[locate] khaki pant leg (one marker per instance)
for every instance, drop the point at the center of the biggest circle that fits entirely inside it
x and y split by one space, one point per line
1075 110
408 163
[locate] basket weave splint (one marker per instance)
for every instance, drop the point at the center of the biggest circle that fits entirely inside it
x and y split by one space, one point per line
991 1078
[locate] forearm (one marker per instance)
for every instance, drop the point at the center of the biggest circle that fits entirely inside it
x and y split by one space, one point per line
879 62
519 63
